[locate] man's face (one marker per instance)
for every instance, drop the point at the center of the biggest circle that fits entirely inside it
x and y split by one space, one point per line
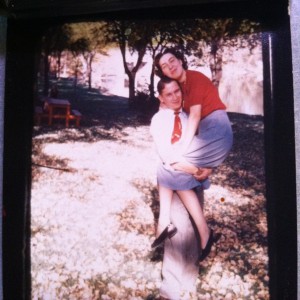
171 66
171 96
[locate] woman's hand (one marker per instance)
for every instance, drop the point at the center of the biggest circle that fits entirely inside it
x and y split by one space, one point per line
202 173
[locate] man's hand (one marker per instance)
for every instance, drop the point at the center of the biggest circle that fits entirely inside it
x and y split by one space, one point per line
202 174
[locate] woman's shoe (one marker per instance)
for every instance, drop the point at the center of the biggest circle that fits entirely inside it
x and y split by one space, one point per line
208 246
172 230
168 232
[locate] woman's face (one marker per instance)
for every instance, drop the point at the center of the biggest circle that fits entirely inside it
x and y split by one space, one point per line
171 66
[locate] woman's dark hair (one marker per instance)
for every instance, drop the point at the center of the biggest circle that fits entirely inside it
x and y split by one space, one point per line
173 51
162 83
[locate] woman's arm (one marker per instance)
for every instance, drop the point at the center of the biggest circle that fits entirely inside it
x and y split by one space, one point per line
192 126
199 173
179 150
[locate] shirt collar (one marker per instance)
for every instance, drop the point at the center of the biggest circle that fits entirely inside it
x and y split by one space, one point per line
170 111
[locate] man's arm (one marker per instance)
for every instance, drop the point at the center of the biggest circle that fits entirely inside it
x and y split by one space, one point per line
163 147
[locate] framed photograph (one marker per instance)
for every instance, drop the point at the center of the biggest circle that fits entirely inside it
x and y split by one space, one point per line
80 193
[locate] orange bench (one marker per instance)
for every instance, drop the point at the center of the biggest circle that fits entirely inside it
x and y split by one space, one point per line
75 115
40 113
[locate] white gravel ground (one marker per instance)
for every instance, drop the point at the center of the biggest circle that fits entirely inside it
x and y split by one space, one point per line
93 223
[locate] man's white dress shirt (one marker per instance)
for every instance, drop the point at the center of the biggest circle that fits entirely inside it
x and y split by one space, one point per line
161 129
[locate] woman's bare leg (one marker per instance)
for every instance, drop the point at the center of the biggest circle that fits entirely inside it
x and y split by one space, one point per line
192 204
165 199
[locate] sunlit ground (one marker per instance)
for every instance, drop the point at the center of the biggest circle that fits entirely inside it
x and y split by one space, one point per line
93 203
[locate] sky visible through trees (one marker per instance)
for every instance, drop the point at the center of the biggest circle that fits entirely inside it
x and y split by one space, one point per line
216 46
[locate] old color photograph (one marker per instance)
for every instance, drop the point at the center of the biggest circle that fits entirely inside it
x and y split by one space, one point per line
95 203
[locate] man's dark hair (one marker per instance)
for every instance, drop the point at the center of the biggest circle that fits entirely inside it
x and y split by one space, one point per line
172 51
162 83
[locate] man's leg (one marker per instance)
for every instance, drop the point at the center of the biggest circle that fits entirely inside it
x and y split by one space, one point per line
180 268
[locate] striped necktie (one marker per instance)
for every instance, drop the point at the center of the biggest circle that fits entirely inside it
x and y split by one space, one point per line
177 128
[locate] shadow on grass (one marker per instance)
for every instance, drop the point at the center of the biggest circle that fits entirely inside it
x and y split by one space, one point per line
102 115
105 117
244 169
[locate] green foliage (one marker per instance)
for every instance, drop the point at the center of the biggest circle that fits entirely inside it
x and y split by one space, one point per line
78 46
191 36
56 39
144 103
91 33
220 33
129 36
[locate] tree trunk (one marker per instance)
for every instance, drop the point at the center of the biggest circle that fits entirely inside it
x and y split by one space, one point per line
215 63
75 79
76 71
131 77
151 85
216 69
131 73
58 65
89 70
46 74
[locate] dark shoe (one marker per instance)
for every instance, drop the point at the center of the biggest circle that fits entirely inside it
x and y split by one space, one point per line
167 233
208 246
171 231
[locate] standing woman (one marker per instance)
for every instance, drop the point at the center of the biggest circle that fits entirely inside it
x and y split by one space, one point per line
207 138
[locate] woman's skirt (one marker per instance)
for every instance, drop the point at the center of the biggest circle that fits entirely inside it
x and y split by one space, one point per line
208 149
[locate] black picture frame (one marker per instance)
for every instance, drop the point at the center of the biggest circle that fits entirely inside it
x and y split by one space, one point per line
25 27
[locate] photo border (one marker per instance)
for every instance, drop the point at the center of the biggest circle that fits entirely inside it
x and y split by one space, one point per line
22 43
